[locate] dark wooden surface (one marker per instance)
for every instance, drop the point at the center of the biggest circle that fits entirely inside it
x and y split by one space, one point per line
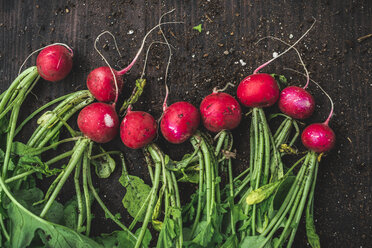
341 64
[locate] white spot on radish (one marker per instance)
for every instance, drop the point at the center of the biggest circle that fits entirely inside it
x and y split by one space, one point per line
242 62
130 32
275 54
109 122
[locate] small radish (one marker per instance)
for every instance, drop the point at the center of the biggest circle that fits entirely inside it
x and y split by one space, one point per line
101 81
318 137
220 111
99 122
138 129
54 62
179 122
296 102
258 90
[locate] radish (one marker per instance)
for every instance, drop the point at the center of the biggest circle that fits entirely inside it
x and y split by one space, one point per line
179 122
258 90
318 137
99 122
220 111
137 129
101 83
54 62
296 102
106 83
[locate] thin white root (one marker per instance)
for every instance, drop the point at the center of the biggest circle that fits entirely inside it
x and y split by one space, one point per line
298 53
215 90
294 44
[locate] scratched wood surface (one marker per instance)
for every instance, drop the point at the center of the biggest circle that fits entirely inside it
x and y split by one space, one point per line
225 51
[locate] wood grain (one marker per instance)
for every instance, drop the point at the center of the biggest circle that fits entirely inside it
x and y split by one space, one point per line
201 61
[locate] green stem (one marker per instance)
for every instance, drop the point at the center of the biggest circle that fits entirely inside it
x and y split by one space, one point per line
155 187
220 142
310 183
104 208
10 136
296 134
209 180
139 213
231 200
178 205
19 128
105 153
14 85
3 228
19 176
76 156
38 151
195 143
86 172
79 199
50 189
59 157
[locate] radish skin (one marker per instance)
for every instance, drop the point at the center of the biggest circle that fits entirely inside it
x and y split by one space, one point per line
101 83
296 102
318 137
258 90
220 111
99 122
138 129
179 122
54 63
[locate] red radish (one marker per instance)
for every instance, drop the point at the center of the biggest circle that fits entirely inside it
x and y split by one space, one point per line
258 90
318 137
99 122
296 102
101 84
101 81
220 111
54 63
137 129
179 122
261 90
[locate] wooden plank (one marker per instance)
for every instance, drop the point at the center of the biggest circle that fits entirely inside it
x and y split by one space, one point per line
212 58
